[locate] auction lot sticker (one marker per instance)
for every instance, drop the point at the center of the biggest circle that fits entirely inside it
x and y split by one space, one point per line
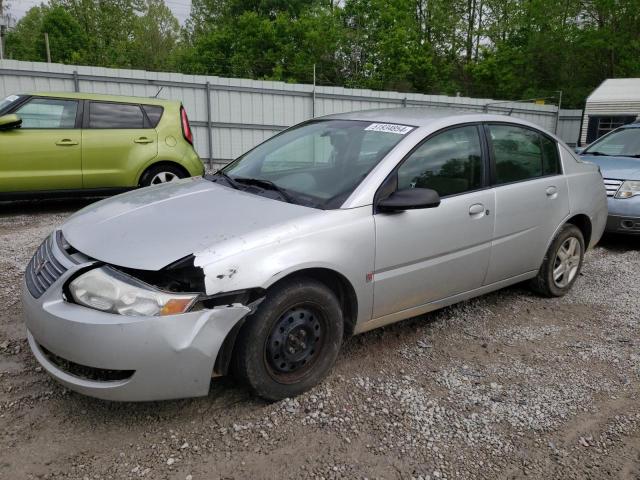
389 128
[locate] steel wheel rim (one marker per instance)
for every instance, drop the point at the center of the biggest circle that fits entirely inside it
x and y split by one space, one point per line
567 262
295 343
163 177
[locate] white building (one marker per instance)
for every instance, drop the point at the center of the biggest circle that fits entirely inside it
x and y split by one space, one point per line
614 103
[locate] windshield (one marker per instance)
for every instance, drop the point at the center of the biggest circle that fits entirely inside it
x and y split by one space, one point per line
624 142
7 102
318 164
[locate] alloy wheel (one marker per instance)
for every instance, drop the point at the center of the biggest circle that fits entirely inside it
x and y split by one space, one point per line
163 177
567 262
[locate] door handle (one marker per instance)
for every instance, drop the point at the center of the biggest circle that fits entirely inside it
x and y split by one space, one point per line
143 140
66 142
552 192
476 210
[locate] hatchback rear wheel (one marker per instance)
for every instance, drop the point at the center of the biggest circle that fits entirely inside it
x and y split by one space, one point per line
291 342
562 263
159 174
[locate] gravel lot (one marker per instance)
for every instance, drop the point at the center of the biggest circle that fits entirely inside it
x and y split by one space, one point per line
505 386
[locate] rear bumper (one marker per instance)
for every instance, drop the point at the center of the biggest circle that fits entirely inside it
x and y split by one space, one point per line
160 357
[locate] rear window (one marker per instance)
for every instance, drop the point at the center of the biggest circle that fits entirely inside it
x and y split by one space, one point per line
115 115
550 157
154 113
517 153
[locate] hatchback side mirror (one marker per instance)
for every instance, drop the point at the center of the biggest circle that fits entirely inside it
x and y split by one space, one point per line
579 150
7 122
410 199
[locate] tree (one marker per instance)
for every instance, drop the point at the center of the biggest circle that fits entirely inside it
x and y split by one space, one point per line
114 33
66 37
155 34
506 49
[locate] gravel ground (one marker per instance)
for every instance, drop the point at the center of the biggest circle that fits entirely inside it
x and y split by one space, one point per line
505 386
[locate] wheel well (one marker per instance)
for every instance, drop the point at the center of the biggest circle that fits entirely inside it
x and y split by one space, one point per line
584 224
337 283
340 286
163 162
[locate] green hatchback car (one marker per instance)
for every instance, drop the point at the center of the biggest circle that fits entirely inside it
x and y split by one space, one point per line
64 143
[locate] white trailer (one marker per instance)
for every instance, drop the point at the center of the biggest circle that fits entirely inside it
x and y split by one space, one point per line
614 103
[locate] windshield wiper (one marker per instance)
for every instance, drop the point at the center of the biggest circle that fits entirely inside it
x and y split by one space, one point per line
594 153
232 183
266 184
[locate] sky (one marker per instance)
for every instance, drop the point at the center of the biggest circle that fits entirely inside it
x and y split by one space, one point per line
180 8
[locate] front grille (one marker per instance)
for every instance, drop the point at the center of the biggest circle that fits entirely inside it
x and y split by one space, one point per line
85 372
612 186
43 269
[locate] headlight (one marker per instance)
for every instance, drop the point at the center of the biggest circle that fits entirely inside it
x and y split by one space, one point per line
630 188
111 291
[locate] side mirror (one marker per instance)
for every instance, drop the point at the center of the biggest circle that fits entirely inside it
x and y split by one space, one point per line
410 199
579 150
7 122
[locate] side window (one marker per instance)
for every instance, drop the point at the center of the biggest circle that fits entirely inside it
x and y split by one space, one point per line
48 113
517 153
154 113
115 115
449 163
550 157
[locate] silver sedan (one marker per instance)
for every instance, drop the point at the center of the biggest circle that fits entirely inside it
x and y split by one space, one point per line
334 227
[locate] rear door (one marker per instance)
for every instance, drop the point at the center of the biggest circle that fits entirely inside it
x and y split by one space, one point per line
45 152
532 198
430 254
117 141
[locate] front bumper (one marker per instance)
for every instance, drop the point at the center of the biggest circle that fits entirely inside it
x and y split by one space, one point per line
618 224
624 215
167 357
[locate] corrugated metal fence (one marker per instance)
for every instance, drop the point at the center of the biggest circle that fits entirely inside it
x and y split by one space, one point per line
229 116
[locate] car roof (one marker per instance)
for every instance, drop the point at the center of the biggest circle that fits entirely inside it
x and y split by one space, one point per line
106 98
423 117
631 125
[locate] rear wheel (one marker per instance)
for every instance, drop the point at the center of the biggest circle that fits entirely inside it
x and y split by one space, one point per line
562 263
159 174
291 342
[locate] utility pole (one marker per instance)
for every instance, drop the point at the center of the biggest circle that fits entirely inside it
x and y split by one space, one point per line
559 107
2 29
46 44
313 106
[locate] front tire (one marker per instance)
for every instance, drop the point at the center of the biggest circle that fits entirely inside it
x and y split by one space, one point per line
291 342
562 263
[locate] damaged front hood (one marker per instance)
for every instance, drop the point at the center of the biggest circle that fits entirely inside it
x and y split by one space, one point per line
151 228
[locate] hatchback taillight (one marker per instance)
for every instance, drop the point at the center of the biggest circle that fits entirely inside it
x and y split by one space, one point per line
186 128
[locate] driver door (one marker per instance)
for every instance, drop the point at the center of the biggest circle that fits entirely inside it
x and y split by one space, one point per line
45 153
430 254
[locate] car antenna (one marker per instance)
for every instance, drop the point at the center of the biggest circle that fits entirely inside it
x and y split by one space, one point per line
158 93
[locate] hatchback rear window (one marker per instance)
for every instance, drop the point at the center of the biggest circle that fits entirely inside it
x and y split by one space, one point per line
115 115
154 113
